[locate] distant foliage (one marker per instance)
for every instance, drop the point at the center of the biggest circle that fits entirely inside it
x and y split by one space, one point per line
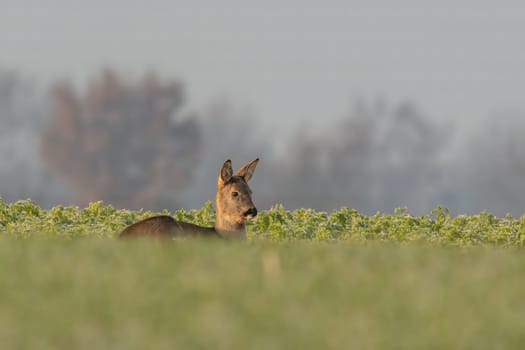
23 114
25 220
380 156
130 143
122 143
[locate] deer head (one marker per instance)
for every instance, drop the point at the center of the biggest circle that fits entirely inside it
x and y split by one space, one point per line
234 199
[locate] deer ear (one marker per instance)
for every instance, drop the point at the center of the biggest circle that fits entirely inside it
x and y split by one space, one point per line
247 170
225 174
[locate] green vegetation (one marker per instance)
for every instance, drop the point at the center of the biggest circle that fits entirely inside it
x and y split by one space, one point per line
24 220
304 280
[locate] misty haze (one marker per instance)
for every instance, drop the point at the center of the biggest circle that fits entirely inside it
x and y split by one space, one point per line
367 106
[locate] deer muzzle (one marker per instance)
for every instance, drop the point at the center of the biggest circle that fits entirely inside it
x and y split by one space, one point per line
250 213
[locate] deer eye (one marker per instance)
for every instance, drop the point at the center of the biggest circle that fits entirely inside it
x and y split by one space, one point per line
235 194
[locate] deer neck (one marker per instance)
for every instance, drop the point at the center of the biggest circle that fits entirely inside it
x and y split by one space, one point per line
230 230
226 225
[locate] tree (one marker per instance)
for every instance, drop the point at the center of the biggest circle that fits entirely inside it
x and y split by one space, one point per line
493 168
377 158
23 113
122 143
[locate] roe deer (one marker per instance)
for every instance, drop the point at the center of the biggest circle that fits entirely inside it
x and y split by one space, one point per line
233 205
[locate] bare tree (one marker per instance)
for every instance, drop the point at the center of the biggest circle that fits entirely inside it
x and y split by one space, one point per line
492 172
377 158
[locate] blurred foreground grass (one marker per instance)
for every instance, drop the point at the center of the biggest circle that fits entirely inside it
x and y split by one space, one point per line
107 294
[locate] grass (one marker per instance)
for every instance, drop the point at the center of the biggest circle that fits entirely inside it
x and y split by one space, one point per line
105 294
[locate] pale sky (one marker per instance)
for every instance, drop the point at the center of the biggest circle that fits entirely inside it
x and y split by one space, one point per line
289 61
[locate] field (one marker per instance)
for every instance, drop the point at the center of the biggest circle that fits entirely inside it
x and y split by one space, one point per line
303 280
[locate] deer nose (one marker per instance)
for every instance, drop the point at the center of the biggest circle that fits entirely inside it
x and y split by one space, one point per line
250 213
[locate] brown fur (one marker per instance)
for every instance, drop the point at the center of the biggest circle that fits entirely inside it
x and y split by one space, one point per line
232 211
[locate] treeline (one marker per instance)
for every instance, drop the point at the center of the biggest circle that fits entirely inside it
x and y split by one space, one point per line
131 143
